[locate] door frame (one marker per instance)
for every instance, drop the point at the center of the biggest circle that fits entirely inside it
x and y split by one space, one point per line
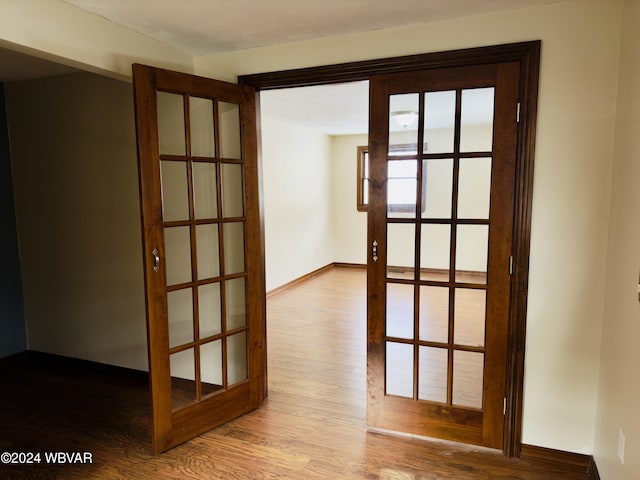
527 54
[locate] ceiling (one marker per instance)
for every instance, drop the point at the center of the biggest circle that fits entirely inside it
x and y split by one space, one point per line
208 26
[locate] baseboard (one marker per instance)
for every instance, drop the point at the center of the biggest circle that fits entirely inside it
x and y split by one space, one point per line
560 461
297 281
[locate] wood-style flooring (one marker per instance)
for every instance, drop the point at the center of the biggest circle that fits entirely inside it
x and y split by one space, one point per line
311 427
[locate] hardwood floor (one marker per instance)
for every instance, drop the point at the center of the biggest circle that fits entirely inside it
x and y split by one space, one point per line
312 426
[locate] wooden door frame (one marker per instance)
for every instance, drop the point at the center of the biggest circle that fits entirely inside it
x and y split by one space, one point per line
527 54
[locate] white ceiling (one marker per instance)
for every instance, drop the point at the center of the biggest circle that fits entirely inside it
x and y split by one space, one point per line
208 26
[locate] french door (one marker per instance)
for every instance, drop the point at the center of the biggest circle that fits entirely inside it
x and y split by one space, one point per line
204 274
442 155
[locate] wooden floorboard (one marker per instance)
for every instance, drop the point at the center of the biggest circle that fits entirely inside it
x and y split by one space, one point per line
311 427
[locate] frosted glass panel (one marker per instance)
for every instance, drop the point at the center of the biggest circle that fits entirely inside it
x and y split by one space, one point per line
471 253
439 121
468 371
202 138
211 367
469 317
177 245
438 179
230 144
399 311
205 190
476 122
175 196
432 376
399 369
209 303
208 251
233 247
171 124
400 250
236 303
183 385
474 188
434 314
180 311
232 190
237 358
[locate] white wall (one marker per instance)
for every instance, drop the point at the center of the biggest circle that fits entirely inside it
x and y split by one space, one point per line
578 84
76 191
619 392
350 226
297 201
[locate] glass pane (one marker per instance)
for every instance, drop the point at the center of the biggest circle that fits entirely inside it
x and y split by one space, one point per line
469 317
439 121
438 179
208 251
432 374
435 247
209 305
171 124
232 191
402 185
205 190
183 385
434 314
175 196
236 303
400 250
177 246
474 188
211 367
180 311
201 118
471 253
399 369
399 311
237 358
230 144
403 123
476 122
233 247
468 373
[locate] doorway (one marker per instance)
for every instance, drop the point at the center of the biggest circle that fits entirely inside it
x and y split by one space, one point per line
526 56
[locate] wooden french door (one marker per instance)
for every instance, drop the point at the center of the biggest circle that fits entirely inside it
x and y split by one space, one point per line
204 275
442 155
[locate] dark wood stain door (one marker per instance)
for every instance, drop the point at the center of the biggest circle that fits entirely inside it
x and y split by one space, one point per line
441 214
202 236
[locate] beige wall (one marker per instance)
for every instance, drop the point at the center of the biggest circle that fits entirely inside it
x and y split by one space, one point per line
76 190
297 201
619 389
578 83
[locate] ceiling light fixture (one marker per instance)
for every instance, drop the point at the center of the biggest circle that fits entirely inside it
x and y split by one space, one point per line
405 118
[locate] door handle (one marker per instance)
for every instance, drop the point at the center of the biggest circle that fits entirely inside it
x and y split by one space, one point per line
374 250
156 260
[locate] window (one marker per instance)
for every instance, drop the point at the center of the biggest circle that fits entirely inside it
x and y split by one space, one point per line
402 179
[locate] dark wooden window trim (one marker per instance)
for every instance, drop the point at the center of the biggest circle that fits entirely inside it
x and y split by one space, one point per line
527 54
361 205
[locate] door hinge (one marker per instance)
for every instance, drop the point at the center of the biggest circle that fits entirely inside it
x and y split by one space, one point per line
518 113
504 406
511 265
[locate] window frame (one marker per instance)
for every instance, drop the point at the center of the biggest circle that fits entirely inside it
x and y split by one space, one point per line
361 179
